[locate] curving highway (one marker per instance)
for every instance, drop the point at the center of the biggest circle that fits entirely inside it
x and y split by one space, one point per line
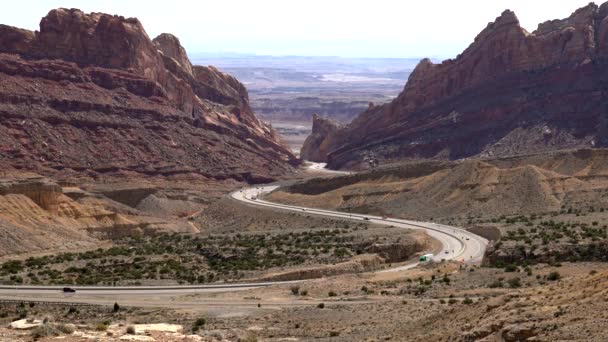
457 244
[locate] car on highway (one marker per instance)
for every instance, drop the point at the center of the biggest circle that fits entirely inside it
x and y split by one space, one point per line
68 290
366 218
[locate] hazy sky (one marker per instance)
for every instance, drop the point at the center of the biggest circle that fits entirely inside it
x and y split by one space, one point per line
359 28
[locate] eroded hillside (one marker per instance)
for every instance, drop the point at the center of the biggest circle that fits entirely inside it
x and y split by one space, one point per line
510 92
476 187
92 96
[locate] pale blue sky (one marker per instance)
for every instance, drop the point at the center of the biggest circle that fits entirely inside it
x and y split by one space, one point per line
350 28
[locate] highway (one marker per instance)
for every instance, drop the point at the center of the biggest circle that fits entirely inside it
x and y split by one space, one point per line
322 167
139 290
458 244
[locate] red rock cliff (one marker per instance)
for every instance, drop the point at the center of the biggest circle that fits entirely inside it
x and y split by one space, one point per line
509 92
92 94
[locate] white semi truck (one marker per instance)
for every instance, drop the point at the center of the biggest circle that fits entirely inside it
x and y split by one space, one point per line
426 258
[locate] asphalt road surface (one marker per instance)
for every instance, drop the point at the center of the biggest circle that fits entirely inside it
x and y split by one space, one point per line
458 244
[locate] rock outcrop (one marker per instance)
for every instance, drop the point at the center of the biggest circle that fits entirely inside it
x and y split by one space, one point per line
510 92
92 95
317 143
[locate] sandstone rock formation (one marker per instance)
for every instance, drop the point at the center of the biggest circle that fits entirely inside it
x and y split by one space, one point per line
316 144
510 92
91 95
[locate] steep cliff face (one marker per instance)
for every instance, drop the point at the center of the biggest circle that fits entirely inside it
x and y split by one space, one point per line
92 95
509 92
316 144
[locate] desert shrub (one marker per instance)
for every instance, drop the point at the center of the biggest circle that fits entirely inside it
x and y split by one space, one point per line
304 292
101 327
295 290
321 305
332 294
12 266
44 330
514 282
553 276
65 329
496 283
200 322
467 301
334 333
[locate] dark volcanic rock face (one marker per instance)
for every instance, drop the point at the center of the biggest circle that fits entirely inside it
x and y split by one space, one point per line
509 92
91 94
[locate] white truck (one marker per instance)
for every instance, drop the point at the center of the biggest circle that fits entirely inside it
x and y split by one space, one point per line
426 258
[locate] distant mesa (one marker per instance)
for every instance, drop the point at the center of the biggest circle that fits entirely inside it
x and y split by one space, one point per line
498 97
92 95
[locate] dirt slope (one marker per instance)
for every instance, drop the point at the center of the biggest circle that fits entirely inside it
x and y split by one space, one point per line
489 188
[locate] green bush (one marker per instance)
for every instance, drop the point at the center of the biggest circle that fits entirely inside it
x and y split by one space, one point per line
553 276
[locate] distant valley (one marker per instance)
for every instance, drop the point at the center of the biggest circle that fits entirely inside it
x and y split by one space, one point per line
287 91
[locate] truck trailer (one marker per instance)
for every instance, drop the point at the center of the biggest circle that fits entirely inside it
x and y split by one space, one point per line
426 258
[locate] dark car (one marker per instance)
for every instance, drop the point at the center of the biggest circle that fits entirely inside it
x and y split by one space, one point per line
68 290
